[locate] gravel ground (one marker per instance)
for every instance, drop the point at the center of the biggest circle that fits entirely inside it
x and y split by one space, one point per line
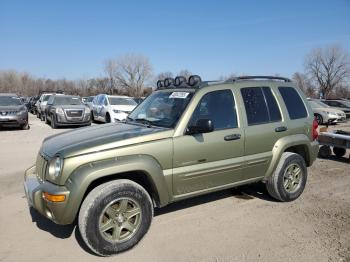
243 224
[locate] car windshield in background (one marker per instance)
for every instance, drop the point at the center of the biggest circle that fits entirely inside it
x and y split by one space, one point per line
10 101
67 100
317 104
89 99
121 101
46 97
162 108
346 103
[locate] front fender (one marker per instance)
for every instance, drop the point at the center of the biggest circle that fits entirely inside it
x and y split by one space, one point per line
284 143
79 181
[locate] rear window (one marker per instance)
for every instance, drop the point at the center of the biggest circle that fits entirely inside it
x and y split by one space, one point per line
294 103
260 105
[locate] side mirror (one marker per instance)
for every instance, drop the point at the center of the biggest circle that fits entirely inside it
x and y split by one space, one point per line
202 126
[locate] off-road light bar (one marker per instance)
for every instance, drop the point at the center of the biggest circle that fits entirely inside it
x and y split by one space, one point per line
194 81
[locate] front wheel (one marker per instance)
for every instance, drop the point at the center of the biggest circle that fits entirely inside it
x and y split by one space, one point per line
115 216
53 122
288 181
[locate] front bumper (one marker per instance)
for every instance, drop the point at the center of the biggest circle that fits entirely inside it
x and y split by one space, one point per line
34 189
63 120
13 120
116 117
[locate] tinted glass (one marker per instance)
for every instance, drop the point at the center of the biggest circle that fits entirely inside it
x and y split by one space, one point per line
122 101
219 107
10 101
255 106
162 108
273 109
294 103
67 100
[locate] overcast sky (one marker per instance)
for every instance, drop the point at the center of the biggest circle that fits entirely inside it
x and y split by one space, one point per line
72 39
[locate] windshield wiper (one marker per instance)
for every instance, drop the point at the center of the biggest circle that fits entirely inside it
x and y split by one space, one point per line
144 121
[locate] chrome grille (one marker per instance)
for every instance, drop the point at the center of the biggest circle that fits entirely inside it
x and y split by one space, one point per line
74 113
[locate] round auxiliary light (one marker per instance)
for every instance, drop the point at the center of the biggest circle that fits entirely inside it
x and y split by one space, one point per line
168 81
194 80
179 80
160 83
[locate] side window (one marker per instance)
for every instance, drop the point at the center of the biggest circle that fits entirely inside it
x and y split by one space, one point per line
50 101
105 102
219 107
294 103
260 105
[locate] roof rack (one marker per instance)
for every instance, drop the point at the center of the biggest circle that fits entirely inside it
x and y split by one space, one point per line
259 77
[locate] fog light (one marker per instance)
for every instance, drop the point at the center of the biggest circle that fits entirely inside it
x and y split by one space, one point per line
54 198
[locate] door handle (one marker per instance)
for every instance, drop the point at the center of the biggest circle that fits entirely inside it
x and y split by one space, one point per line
232 137
281 129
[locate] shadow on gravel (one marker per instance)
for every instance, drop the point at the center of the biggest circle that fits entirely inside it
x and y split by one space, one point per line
59 231
249 192
337 159
47 225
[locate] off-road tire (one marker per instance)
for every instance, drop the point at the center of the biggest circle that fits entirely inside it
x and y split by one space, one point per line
324 151
275 182
95 203
339 151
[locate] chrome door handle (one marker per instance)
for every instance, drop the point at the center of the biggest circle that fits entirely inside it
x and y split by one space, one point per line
232 137
281 129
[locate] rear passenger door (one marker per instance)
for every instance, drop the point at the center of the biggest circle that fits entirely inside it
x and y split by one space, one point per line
264 125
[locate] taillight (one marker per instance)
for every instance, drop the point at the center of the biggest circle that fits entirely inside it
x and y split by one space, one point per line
314 130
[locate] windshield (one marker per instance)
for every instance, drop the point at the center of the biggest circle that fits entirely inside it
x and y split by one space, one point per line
317 104
121 101
67 100
10 101
88 99
346 103
162 108
46 97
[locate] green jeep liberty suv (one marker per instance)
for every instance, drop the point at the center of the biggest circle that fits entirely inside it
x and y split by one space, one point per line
186 139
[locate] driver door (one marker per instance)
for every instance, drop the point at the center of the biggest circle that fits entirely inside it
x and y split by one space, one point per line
210 160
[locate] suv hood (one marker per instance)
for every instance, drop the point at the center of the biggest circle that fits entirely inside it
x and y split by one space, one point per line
98 138
124 108
11 108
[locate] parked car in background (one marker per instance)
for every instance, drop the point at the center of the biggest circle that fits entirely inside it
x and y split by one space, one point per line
88 101
343 105
31 104
13 112
41 105
325 114
107 108
66 110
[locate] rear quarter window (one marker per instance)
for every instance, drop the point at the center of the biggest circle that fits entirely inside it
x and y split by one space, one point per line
293 101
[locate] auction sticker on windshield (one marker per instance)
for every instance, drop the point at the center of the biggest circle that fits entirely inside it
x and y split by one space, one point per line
182 95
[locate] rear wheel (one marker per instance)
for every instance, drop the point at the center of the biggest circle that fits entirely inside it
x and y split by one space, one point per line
108 118
339 151
319 119
115 216
288 181
324 151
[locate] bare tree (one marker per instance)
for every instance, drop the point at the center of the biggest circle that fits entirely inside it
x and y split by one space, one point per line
110 69
304 84
328 67
186 73
131 73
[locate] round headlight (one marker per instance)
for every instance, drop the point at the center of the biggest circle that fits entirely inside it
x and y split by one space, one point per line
194 80
168 81
160 84
179 80
55 167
